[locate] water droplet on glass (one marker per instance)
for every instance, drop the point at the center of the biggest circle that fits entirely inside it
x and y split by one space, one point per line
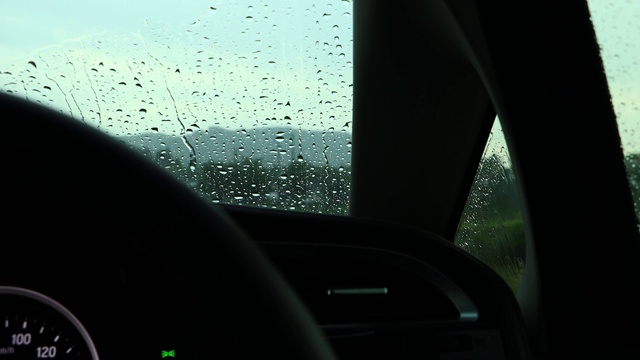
32 63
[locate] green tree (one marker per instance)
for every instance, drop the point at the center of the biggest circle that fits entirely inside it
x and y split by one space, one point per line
491 226
632 163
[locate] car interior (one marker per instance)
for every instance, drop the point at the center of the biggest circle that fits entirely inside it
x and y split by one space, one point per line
108 255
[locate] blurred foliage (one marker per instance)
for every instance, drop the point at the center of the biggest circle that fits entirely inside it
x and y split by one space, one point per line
297 185
491 227
632 163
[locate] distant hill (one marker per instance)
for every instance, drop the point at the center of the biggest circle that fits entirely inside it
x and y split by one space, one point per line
276 146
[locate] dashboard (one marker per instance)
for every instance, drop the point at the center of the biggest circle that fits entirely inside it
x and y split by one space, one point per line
406 299
386 291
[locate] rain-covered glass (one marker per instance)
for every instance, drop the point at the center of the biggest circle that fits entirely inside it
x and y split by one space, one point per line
248 102
492 225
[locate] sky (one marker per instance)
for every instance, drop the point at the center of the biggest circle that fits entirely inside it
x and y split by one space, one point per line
131 66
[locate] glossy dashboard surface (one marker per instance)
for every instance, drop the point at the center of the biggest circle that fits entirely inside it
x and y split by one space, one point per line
366 298
129 303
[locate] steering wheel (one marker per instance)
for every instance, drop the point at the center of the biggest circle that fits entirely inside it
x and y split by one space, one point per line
82 191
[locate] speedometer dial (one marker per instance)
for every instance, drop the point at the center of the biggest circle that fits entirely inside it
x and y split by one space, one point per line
34 326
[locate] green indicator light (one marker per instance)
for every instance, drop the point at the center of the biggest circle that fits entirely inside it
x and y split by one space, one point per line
168 353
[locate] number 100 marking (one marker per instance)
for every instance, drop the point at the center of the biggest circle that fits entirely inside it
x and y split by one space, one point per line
21 339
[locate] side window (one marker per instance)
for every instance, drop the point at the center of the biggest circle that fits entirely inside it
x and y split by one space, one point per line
491 226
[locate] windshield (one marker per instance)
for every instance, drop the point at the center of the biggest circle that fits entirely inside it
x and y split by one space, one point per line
248 102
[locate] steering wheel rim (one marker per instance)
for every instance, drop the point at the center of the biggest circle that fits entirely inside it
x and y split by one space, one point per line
87 185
